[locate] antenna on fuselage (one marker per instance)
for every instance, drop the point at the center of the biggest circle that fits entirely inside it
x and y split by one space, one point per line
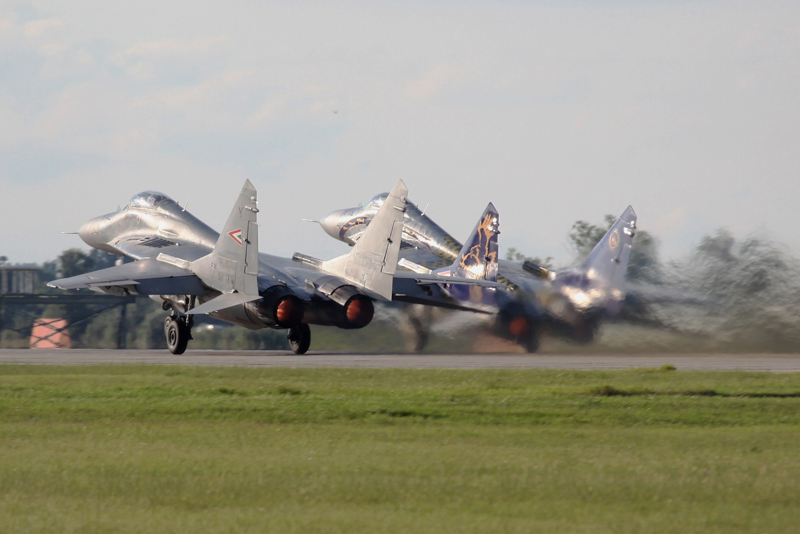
426 208
185 206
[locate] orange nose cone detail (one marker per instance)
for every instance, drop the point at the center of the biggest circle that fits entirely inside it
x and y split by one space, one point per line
288 313
518 326
359 312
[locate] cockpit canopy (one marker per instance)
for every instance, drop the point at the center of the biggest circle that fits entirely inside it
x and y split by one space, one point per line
149 200
377 201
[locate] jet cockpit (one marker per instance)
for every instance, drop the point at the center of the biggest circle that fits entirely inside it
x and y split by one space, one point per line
376 202
150 200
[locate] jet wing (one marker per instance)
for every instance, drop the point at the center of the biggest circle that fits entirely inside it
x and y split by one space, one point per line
146 277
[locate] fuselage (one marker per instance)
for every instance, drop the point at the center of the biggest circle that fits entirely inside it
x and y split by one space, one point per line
147 214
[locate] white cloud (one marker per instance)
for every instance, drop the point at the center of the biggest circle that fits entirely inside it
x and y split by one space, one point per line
171 47
432 83
39 28
267 111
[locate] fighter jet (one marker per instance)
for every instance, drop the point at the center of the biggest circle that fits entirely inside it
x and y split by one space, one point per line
568 303
190 269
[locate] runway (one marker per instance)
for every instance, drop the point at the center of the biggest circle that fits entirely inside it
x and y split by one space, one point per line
778 363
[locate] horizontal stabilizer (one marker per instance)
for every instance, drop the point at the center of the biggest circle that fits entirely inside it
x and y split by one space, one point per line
423 278
226 300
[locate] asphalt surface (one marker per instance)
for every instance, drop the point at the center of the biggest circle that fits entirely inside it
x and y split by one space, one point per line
779 363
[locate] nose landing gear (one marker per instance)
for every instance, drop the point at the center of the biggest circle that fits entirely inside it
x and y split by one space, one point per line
178 331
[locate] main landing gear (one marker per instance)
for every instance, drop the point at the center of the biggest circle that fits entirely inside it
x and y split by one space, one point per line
299 338
178 330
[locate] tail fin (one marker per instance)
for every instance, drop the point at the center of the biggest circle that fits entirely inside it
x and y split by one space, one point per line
372 261
233 264
608 261
478 257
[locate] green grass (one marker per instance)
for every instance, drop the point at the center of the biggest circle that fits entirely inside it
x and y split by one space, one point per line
190 449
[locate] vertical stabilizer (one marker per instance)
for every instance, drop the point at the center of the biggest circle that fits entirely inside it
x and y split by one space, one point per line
372 262
233 264
478 257
608 261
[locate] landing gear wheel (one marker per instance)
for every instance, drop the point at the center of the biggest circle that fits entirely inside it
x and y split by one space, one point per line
530 341
299 338
177 333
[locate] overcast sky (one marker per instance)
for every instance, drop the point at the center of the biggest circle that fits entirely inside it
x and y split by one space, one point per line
554 111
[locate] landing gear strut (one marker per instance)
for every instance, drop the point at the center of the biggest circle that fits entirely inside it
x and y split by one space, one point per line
178 330
299 338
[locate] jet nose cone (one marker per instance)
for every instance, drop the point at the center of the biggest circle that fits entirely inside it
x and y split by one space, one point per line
89 231
331 223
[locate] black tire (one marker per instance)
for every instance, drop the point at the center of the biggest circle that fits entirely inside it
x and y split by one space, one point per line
530 341
299 338
177 334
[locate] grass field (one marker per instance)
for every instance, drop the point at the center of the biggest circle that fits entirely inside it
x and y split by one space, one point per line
189 449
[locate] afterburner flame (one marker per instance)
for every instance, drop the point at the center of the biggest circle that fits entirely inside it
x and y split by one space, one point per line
518 326
289 312
359 311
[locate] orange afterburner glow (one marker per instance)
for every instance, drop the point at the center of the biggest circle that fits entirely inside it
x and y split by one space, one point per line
518 326
359 311
289 312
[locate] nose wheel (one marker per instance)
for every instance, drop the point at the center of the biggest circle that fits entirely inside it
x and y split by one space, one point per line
178 331
299 338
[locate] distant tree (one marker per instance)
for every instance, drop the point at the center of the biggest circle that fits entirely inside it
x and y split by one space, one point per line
584 235
756 284
102 259
73 262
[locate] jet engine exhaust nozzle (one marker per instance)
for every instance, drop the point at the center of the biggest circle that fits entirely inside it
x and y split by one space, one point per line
289 311
359 311
280 307
518 326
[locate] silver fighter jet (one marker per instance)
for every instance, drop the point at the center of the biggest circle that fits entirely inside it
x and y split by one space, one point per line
568 303
190 269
